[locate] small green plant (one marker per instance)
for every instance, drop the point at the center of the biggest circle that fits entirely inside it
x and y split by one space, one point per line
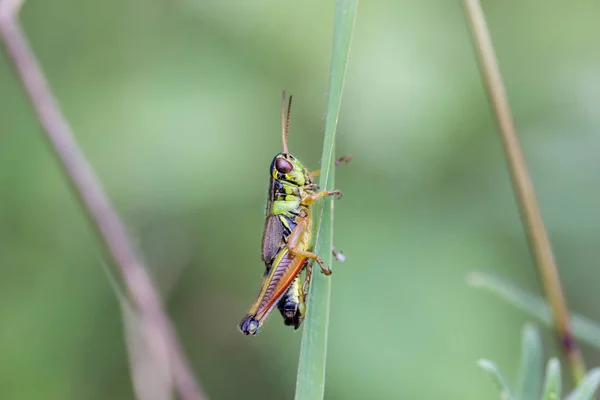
585 330
529 383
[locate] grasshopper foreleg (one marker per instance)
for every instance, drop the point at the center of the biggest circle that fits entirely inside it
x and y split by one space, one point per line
309 199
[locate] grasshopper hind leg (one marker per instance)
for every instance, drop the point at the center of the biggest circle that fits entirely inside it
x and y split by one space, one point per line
249 325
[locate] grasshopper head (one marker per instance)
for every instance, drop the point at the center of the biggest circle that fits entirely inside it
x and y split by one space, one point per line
287 168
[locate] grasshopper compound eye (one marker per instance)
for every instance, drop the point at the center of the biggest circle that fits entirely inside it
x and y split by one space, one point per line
283 166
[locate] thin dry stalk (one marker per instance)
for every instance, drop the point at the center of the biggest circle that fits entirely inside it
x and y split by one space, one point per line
140 288
539 243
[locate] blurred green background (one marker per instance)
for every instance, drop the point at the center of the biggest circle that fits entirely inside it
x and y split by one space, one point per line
177 106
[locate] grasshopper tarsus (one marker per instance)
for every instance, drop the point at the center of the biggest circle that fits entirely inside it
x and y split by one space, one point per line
324 269
335 192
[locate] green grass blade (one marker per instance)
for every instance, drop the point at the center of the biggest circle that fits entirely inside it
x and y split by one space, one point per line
310 383
530 373
584 329
501 383
552 382
585 391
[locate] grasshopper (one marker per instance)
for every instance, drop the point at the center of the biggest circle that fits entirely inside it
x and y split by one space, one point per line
287 237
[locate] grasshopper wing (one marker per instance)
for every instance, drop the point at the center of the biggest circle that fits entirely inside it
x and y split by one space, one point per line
272 239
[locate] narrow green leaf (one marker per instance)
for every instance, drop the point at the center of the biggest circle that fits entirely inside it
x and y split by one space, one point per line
530 374
310 383
587 388
585 330
552 382
500 382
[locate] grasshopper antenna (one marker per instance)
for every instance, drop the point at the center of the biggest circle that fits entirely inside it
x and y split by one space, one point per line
285 122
